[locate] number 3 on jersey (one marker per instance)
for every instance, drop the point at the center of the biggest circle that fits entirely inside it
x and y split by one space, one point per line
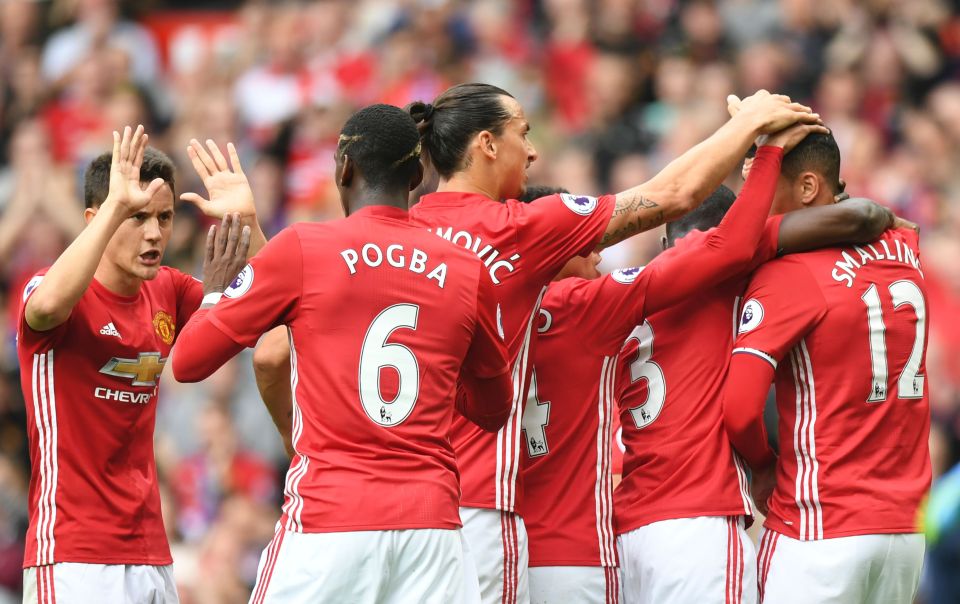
376 354
642 368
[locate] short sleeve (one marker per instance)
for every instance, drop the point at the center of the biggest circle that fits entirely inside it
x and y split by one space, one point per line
607 308
189 296
554 229
783 302
487 355
265 294
26 335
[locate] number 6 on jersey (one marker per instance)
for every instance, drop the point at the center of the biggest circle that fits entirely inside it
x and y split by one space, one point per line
376 353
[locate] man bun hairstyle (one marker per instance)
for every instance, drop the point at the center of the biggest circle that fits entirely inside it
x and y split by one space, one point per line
705 217
447 125
96 179
817 153
383 142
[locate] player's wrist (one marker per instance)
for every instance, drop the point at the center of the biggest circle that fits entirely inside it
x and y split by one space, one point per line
210 299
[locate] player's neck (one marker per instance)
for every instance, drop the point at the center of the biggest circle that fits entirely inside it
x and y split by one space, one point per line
115 280
377 199
464 182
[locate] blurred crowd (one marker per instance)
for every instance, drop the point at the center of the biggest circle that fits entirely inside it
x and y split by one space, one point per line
614 89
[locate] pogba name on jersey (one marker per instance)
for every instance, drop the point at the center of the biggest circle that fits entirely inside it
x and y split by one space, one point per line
846 267
416 261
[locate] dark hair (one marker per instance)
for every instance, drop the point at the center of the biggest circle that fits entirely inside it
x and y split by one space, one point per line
705 217
816 153
384 143
447 125
537 191
96 180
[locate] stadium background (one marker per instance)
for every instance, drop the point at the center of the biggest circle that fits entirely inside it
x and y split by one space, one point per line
614 89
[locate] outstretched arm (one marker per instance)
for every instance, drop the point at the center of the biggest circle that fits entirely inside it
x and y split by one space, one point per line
689 179
852 221
62 287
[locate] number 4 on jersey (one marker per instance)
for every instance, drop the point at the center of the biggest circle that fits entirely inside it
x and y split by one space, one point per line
536 416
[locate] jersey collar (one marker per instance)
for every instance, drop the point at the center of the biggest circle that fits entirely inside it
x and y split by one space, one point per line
382 212
452 198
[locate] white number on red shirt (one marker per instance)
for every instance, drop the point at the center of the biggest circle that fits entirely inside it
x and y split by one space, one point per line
536 416
910 383
642 368
376 353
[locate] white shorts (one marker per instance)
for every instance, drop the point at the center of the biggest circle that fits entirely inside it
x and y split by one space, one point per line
849 570
414 565
498 544
580 584
81 583
707 560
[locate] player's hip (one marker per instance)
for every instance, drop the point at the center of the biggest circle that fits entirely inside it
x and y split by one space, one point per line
82 583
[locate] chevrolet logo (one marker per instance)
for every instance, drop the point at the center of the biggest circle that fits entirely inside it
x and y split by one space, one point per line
144 370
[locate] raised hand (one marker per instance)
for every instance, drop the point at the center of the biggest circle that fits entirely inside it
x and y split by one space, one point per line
126 189
773 112
226 184
226 253
788 138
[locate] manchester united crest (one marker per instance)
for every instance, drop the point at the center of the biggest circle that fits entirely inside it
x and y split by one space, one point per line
165 327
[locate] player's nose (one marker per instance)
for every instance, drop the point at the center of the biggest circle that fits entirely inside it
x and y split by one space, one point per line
532 154
151 229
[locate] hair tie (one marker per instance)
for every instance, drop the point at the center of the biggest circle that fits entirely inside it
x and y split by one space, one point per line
427 111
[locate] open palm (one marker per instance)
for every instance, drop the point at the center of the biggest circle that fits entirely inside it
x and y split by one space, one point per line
125 187
226 185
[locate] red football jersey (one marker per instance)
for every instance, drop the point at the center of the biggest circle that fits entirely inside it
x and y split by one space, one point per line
523 246
382 315
846 330
678 462
568 419
90 387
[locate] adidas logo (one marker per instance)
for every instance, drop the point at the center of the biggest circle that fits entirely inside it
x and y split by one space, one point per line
110 330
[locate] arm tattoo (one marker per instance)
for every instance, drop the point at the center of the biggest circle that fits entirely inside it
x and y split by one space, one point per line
646 214
633 204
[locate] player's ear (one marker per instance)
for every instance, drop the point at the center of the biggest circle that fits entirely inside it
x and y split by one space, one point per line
809 188
663 242
487 144
346 172
88 214
417 176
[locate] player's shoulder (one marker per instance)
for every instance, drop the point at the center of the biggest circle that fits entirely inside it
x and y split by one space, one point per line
784 271
563 203
31 284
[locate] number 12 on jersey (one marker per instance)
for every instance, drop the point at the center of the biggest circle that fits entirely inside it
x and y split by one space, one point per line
910 382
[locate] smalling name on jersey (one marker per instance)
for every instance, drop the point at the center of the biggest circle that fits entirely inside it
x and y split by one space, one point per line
416 261
847 266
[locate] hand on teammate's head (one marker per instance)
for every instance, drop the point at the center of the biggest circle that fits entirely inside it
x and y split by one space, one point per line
773 112
790 137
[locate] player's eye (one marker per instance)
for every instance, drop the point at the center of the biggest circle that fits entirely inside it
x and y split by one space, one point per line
166 217
140 216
